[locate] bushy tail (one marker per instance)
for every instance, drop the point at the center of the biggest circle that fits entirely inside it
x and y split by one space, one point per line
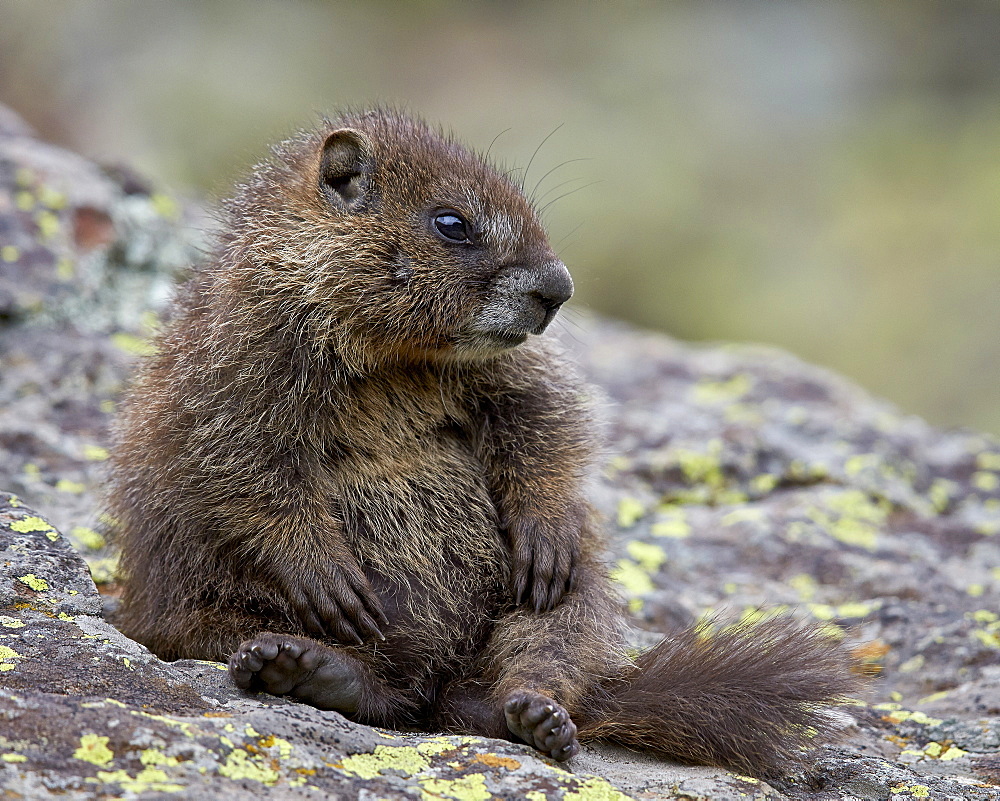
748 697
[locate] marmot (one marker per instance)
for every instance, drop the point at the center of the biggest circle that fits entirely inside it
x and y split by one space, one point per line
354 471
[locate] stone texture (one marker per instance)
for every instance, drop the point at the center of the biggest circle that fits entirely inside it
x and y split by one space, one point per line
736 479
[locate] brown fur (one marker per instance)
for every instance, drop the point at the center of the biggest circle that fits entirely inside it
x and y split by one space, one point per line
337 439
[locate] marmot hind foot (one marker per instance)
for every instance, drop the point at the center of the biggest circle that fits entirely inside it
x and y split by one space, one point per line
299 667
541 722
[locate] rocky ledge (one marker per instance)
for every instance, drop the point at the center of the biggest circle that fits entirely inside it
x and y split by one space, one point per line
736 480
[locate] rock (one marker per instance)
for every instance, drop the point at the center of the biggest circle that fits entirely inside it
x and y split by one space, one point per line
737 479
87 256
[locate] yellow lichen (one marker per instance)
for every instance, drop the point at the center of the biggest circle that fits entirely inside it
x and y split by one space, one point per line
752 616
9 253
130 343
270 741
31 580
860 462
707 391
72 487
152 756
902 716
929 699
103 571
52 198
594 789
855 503
632 577
405 759
149 779
650 557
671 523
467 788
184 726
436 746
95 453
241 765
48 224
763 483
702 468
747 515
856 609
87 537
988 638
941 492
94 749
165 206
985 481
855 518
630 511
805 585
13 757
11 622
988 460
29 524
851 531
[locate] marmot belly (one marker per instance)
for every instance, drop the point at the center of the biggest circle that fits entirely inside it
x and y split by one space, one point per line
427 536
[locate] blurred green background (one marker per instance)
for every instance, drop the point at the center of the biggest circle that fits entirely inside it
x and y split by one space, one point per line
824 176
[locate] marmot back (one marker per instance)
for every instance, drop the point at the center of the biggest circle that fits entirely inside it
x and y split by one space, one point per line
355 469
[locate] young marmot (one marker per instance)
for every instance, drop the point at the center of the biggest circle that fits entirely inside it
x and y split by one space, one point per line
353 471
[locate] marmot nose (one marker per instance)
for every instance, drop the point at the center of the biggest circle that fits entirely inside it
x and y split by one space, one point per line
553 287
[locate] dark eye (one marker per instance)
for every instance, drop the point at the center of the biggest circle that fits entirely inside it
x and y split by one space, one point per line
451 227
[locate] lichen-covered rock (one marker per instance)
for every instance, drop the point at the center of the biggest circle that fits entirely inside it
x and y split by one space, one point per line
773 482
737 479
87 255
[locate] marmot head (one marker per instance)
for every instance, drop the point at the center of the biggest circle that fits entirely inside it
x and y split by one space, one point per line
401 243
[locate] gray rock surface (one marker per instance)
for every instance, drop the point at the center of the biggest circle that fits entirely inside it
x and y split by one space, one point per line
736 479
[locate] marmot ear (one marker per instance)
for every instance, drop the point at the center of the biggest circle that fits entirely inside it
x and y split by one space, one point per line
344 168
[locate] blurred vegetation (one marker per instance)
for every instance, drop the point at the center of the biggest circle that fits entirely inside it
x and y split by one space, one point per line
821 176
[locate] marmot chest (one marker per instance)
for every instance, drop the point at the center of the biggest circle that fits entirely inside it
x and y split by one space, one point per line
422 523
413 495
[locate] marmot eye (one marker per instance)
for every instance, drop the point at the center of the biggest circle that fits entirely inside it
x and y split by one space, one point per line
451 227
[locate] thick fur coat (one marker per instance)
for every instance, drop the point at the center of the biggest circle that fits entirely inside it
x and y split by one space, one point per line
355 471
